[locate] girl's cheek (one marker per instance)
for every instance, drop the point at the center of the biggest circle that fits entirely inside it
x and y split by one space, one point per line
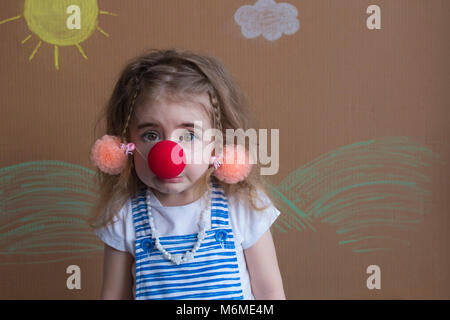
141 166
194 171
196 154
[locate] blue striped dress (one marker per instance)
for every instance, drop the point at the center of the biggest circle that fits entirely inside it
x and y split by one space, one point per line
212 274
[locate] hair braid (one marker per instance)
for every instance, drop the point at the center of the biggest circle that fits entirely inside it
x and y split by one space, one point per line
130 112
217 116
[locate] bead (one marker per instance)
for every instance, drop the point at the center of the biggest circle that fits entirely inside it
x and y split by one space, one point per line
189 256
205 217
176 259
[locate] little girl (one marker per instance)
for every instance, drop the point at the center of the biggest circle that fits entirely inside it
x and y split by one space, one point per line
181 230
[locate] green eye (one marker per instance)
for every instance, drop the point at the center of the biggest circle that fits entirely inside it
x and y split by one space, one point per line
188 136
152 136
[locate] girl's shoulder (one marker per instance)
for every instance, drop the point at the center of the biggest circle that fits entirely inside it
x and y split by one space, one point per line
250 223
117 233
249 200
122 214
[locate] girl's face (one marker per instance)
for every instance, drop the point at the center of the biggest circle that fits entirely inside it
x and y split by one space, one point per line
171 121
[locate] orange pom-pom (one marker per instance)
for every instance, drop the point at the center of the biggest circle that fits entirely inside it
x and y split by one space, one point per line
231 169
108 155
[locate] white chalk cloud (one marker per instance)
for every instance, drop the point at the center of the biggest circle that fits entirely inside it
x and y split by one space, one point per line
267 18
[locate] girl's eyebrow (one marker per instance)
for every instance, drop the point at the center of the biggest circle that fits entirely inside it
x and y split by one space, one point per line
146 124
151 124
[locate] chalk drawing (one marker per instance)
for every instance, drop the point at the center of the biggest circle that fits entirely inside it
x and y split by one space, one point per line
48 20
267 18
43 211
373 193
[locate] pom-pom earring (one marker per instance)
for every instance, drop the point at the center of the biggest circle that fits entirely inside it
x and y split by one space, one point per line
232 172
110 155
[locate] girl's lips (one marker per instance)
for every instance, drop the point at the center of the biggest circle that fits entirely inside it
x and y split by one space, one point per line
171 180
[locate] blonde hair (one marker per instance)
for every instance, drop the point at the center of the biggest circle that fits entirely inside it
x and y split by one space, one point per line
175 74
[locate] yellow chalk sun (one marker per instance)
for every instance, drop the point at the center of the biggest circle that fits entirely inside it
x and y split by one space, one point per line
61 23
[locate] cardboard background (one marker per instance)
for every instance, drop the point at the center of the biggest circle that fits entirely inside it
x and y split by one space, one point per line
331 84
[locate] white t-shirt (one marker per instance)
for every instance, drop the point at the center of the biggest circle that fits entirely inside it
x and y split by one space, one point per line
248 226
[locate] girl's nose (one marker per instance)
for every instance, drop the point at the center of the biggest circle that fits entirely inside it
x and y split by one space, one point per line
166 159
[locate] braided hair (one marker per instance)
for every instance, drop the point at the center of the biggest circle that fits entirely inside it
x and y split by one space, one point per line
217 115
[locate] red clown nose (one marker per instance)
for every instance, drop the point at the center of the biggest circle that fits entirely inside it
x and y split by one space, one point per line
166 159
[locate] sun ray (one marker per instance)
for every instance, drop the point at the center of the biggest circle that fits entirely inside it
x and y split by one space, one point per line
81 51
103 32
35 50
10 19
108 13
40 17
24 40
56 57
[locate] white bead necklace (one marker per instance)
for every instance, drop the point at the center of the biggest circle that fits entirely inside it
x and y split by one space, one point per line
205 217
